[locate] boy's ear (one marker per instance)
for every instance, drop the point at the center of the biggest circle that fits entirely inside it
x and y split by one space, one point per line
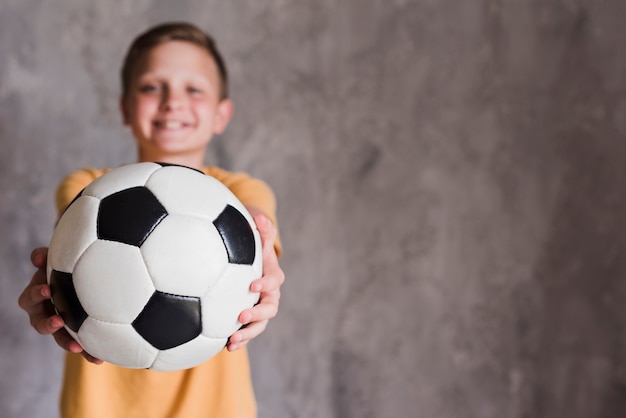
225 110
124 110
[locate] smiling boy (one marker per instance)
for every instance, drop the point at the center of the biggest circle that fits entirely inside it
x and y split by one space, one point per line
174 100
175 103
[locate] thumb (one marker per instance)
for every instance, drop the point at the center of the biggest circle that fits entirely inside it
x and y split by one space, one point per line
266 229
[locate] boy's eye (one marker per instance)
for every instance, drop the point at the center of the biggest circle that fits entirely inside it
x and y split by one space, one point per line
148 88
193 90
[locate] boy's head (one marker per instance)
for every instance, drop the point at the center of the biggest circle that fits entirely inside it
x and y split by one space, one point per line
167 32
174 96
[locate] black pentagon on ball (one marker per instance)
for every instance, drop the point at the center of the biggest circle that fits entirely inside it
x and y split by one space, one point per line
65 299
129 216
168 321
237 235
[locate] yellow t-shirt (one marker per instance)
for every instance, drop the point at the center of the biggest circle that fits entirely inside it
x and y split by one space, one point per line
220 387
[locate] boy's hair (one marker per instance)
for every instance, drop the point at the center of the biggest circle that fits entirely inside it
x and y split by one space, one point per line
166 32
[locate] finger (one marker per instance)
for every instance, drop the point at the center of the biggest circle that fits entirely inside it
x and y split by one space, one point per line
267 230
273 275
91 358
271 281
39 293
268 234
270 297
39 257
245 334
66 342
271 268
236 346
261 312
46 324
32 297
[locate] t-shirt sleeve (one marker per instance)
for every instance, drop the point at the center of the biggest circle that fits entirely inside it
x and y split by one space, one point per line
72 185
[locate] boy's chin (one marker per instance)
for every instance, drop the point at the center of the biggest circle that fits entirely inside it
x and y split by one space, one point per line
164 147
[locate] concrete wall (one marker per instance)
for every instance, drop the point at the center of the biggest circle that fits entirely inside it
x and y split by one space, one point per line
450 177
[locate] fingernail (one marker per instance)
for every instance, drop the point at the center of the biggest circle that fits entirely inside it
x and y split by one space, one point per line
74 347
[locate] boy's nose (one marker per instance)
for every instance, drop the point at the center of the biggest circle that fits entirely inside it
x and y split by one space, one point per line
172 100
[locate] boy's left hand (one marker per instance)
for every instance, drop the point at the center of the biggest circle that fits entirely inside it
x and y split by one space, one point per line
256 318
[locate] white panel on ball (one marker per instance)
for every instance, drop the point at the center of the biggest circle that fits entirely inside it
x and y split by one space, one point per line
128 286
118 343
184 255
190 354
222 305
177 189
121 178
77 231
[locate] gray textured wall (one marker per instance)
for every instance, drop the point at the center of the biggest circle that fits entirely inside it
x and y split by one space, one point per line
450 177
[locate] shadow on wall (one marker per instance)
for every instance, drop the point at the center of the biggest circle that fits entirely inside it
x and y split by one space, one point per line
577 366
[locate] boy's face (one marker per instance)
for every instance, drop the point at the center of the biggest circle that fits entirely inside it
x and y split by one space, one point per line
173 106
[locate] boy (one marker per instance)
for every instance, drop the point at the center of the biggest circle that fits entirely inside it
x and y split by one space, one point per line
174 99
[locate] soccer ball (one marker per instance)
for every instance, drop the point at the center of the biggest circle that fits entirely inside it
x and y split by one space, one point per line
150 266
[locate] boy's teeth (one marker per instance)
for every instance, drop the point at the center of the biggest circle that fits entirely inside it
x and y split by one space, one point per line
172 124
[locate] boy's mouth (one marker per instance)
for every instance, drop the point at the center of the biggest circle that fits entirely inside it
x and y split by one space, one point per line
170 124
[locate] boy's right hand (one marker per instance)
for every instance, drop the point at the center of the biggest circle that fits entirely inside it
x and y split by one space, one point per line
35 300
